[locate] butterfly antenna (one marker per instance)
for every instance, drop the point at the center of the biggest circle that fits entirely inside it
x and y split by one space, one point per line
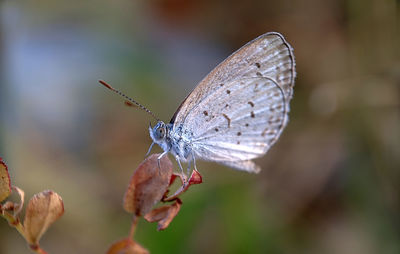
130 100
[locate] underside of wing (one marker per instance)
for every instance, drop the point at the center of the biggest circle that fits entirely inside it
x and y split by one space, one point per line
238 111
269 56
238 122
248 165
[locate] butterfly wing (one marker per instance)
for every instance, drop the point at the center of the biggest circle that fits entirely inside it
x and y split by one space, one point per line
239 110
269 55
238 122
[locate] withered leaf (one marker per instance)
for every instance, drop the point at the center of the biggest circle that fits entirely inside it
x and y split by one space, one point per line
164 215
21 195
8 206
43 209
5 182
147 185
195 178
127 246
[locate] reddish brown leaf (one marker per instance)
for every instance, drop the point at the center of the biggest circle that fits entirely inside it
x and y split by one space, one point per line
8 206
173 177
164 215
126 246
43 209
195 178
148 185
5 182
14 207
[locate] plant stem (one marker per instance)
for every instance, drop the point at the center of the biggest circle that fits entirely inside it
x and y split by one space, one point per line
133 227
14 222
36 248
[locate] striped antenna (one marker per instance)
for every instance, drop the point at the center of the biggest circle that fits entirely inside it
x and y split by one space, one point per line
130 101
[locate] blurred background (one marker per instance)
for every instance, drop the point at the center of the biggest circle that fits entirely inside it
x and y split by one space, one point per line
330 185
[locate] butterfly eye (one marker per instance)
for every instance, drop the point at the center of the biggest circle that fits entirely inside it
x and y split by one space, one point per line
160 132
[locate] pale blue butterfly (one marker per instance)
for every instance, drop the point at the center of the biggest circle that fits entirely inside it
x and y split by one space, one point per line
237 112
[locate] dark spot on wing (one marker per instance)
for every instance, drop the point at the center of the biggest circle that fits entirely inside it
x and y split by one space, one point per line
251 103
256 88
227 105
238 142
239 133
267 131
216 129
259 74
228 91
221 85
247 125
228 119
271 120
205 113
258 65
252 114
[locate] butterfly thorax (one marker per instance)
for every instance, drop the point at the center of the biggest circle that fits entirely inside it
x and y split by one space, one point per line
170 139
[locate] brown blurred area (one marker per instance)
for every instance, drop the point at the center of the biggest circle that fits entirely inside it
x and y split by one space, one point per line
330 185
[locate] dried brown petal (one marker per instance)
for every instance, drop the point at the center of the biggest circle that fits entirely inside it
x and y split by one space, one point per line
195 178
5 182
21 195
43 209
148 184
173 177
164 215
126 246
8 206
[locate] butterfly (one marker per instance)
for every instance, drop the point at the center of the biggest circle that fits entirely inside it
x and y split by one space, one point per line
236 113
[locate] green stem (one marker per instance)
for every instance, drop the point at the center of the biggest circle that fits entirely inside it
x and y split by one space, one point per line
14 222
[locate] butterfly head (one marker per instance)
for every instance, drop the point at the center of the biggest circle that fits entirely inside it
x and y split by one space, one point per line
159 134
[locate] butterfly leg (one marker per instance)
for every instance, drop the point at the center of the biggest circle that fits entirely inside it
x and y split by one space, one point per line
194 161
188 167
151 146
158 161
180 167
